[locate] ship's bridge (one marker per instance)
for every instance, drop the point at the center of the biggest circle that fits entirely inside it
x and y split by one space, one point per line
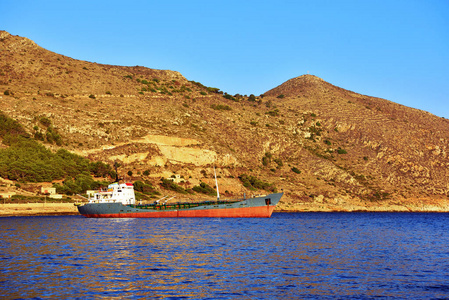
115 193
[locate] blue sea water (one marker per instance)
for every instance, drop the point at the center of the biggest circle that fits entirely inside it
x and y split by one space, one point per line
289 256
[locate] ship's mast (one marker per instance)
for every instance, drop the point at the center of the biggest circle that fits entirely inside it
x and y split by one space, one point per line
216 184
116 165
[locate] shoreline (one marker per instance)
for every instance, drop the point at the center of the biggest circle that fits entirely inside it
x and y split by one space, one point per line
67 209
37 209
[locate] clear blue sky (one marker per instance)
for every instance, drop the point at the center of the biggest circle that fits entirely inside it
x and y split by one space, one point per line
393 49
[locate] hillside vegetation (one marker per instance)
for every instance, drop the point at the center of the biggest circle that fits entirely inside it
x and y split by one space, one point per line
327 148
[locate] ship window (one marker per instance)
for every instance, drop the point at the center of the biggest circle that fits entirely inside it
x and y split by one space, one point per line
268 201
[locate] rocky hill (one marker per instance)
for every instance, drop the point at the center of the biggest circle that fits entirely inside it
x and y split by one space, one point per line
326 147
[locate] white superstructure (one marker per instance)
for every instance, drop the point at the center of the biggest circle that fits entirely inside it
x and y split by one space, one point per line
115 193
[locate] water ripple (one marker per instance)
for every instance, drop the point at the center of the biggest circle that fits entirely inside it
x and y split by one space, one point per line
289 256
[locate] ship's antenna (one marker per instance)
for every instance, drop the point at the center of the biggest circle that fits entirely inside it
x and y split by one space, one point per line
216 184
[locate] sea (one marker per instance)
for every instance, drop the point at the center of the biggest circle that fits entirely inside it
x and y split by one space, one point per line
287 256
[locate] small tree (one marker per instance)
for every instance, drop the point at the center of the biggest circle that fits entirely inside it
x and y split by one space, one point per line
296 170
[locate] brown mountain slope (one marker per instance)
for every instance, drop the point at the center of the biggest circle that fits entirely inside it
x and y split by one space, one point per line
400 148
352 151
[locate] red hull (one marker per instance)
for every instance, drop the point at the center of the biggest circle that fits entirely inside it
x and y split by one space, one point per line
243 212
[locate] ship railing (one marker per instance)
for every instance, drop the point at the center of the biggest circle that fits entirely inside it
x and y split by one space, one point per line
157 205
93 200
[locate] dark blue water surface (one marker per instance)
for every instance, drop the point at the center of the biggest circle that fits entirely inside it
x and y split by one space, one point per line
289 256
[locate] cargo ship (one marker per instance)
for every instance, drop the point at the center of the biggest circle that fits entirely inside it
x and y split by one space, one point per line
118 201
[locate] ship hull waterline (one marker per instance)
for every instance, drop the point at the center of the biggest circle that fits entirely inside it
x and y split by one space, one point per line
250 212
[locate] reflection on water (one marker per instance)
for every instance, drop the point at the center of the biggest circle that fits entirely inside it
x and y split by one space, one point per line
309 255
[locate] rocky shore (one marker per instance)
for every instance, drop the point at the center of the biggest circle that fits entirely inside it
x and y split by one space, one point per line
357 205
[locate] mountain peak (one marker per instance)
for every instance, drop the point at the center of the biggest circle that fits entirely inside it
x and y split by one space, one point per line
297 85
308 77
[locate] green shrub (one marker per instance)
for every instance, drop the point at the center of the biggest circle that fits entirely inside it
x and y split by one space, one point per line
279 162
45 121
220 107
252 98
341 151
227 96
100 169
296 170
281 96
273 113
213 90
39 136
11 127
145 188
53 136
204 188
92 96
265 161
170 185
254 183
267 158
315 131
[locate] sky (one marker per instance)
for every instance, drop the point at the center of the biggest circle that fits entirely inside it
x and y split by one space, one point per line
393 49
